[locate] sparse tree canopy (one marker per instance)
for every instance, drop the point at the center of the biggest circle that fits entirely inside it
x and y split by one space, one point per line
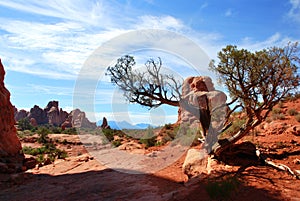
257 81
147 87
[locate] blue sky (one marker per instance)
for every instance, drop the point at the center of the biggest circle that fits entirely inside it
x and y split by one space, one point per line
44 44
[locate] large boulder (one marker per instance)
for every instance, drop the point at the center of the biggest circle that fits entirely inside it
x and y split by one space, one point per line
11 157
195 163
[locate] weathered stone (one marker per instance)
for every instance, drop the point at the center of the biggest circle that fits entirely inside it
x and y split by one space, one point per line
38 114
196 162
55 115
203 107
79 120
10 146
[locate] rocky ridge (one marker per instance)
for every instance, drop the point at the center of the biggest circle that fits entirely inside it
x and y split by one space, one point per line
53 115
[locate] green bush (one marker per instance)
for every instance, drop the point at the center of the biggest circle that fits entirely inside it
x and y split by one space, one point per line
235 127
149 139
168 126
24 124
116 143
48 149
109 133
278 116
43 135
70 131
292 112
276 110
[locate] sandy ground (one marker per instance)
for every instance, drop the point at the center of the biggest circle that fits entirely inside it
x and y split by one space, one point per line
82 177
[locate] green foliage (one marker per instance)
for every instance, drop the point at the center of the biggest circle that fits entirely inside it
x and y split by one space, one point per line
168 126
116 143
276 111
70 131
149 139
188 136
258 81
278 116
48 150
292 112
222 190
43 135
24 124
109 133
235 127
297 117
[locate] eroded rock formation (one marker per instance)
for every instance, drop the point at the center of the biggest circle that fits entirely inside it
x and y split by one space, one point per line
55 115
79 120
200 95
11 158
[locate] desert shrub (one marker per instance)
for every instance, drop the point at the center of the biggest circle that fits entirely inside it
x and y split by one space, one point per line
280 104
70 131
268 120
55 130
48 149
297 117
24 124
43 135
222 190
168 126
278 116
292 112
276 110
116 143
109 133
188 136
149 139
234 128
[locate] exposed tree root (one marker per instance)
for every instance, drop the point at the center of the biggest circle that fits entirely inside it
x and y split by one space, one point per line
279 166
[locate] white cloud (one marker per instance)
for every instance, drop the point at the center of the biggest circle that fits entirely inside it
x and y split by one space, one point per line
157 22
294 12
275 40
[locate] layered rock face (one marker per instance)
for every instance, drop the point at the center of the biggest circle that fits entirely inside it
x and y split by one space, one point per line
55 115
199 94
78 120
11 158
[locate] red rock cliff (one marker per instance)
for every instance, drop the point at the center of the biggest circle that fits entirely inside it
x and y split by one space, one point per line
11 158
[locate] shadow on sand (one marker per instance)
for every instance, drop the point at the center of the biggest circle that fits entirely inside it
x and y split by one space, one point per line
111 185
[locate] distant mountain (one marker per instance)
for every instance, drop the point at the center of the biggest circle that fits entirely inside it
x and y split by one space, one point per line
125 125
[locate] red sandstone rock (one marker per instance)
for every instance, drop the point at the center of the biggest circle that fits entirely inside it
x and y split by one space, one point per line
10 146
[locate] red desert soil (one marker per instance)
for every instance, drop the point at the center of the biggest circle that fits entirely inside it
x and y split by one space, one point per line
82 177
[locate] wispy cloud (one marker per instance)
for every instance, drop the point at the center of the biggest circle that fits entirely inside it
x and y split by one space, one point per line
51 90
294 12
275 40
